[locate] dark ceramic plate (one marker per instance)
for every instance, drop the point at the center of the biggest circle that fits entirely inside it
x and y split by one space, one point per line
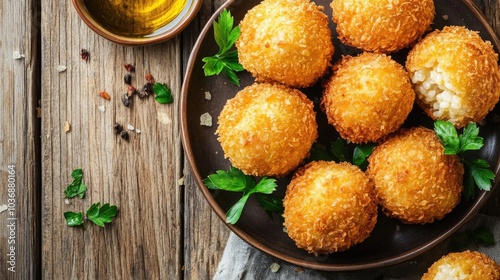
391 242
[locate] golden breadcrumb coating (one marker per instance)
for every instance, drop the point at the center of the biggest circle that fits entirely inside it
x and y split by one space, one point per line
329 207
464 265
287 41
414 180
368 97
267 130
382 26
455 75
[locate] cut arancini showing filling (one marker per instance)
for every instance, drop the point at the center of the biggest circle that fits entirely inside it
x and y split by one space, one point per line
455 75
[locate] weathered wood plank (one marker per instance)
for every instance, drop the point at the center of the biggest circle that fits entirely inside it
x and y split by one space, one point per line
19 173
139 175
205 234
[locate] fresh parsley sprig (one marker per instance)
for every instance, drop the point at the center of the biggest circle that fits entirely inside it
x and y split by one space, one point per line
226 60
77 187
338 151
476 171
235 180
163 94
99 215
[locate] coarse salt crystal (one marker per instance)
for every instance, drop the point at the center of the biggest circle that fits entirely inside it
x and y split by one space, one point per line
66 201
102 108
17 55
138 131
3 208
208 96
61 68
180 182
206 119
275 267
130 127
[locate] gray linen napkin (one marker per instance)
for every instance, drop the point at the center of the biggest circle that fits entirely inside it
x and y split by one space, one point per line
241 261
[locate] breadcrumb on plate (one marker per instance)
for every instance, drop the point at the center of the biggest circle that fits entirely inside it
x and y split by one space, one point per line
267 130
286 41
455 75
329 207
414 180
465 265
382 26
367 97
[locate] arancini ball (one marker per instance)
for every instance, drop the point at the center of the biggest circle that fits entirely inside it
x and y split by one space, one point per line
383 26
464 265
414 180
286 41
329 207
455 75
267 130
368 97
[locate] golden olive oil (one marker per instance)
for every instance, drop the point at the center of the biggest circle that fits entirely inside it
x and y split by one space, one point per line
134 18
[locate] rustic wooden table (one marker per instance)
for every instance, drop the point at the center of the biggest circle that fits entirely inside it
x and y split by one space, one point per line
164 229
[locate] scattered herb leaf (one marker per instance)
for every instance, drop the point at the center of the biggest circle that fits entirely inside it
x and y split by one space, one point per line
73 219
77 187
339 149
162 93
479 236
225 60
101 214
270 204
235 180
477 171
361 154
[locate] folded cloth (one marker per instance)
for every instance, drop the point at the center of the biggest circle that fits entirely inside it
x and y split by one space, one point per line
241 261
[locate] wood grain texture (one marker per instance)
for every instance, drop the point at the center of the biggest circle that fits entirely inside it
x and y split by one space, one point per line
140 175
205 235
19 227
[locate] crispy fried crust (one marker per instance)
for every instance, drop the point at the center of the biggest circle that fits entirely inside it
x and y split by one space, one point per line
329 207
382 26
267 130
414 181
470 64
368 97
287 41
464 265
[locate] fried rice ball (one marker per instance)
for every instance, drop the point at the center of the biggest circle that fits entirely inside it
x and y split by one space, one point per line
267 130
329 207
368 97
382 26
286 41
414 180
464 265
455 75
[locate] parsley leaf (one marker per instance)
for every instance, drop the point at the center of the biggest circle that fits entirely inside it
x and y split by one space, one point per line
162 93
77 187
448 136
101 214
270 204
361 154
225 60
476 171
478 236
235 180
338 151
73 219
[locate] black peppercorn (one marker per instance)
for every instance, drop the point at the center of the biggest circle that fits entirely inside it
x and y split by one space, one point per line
127 79
124 135
146 90
118 128
126 100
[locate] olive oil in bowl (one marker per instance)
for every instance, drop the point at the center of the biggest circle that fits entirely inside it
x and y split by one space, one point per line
135 18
